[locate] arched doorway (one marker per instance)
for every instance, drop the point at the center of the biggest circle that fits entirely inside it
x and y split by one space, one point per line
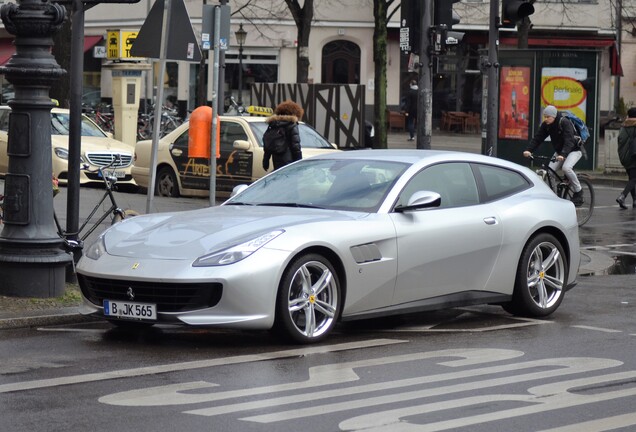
341 63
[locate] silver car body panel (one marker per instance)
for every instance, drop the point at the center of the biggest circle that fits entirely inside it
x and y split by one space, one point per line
389 261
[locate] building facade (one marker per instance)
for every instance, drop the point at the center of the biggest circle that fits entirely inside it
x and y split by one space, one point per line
341 49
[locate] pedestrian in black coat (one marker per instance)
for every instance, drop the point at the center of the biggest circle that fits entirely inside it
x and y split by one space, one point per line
286 116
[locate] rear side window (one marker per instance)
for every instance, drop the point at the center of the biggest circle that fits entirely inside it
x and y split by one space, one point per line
499 182
454 181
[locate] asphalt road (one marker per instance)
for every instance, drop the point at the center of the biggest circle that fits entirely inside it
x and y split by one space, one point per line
469 369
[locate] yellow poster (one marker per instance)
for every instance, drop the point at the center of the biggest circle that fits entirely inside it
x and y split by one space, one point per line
563 88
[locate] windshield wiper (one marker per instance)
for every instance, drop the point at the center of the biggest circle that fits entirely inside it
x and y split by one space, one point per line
238 203
290 204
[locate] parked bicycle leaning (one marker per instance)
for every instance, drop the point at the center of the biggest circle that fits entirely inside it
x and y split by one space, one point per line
627 156
567 147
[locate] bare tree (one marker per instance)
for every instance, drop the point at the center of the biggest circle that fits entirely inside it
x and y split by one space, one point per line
303 17
380 43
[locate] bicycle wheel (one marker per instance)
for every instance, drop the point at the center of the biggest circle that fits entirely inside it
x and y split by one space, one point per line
128 213
585 210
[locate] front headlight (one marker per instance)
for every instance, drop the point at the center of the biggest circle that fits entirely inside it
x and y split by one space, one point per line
95 250
236 253
61 152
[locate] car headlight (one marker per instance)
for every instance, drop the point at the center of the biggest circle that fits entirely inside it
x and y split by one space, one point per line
61 152
95 250
236 253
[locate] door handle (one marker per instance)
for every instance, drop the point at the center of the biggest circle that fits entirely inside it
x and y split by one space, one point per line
491 220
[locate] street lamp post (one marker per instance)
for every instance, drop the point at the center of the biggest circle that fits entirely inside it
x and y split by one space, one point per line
241 35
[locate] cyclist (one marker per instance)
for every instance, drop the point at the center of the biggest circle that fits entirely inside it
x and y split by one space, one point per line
567 147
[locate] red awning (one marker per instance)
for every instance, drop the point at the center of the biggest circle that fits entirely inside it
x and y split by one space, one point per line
562 42
615 60
7 49
91 41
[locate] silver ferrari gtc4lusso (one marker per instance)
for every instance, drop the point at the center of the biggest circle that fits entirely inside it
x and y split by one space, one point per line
343 236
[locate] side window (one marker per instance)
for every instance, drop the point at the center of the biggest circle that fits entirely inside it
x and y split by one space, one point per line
4 120
231 132
182 141
454 181
500 182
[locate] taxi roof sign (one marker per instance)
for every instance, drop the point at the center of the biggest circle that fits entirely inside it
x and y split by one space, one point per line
259 111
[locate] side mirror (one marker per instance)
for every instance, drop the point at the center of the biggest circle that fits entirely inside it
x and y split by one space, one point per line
421 200
241 145
238 189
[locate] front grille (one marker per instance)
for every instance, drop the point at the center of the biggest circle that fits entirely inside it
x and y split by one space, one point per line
169 297
106 158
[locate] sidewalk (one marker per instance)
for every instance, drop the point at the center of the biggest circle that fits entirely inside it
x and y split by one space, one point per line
30 312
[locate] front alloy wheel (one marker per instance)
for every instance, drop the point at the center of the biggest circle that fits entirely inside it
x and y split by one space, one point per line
541 278
308 302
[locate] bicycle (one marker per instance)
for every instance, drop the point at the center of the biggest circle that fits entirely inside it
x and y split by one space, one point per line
560 185
116 213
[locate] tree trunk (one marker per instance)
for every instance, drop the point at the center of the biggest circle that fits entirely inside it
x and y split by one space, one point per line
62 52
523 31
302 17
379 59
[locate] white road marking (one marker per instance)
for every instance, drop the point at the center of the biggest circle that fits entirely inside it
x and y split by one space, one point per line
598 425
174 367
319 376
568 366
548 397
600 329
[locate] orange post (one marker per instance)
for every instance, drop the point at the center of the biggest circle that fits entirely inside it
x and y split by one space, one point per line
199 133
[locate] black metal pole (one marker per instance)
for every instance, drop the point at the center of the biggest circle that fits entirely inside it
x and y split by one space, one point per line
493 79
240 75
75 122
425 85
221 84
32 257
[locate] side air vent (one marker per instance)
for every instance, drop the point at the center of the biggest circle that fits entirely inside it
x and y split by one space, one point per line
366 253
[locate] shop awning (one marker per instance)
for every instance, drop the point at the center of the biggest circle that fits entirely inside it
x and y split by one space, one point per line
615 60
7 49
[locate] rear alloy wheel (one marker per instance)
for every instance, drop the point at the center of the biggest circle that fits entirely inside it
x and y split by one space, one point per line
166 184
541 278
309 299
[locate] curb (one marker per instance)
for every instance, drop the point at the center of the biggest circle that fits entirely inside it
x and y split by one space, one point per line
61 316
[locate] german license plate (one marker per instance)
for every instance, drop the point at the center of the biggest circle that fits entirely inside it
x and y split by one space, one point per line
119 173
130 310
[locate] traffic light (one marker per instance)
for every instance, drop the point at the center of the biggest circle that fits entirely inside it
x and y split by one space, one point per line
514 11
443 13
443 19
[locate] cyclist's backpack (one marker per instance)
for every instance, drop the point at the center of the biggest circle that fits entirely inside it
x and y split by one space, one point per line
579 126
580 130
275 140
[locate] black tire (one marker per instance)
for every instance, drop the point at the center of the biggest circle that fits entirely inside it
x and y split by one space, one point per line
128 213
309 299
166 183
584 211
541 278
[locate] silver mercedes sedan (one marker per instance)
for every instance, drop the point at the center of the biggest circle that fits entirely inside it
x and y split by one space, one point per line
344 236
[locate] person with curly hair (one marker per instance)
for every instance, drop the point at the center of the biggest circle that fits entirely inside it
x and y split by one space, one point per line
286 117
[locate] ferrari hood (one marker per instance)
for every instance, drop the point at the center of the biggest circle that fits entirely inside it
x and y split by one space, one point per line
188 235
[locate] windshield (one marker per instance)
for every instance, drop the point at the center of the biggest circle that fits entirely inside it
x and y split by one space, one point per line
60 126
354 184
309 138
